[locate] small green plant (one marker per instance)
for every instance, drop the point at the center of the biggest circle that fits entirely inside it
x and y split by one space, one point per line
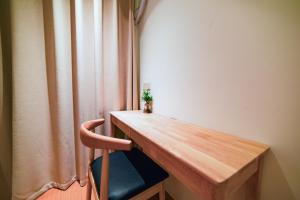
147 97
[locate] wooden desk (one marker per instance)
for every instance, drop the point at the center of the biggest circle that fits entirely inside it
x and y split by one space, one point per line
212 164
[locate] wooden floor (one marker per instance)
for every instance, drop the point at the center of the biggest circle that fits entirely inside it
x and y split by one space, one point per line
75 192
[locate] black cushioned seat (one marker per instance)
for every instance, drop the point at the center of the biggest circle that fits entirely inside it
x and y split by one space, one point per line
130 173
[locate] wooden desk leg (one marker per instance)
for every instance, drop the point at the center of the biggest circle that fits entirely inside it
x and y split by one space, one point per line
112 129
252 190
112 132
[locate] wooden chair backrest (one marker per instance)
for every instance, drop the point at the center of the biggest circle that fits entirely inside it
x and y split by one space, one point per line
96 141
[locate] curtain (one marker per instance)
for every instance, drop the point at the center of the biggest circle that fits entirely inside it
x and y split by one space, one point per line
5 102
119 92
70 61
53 91
5 127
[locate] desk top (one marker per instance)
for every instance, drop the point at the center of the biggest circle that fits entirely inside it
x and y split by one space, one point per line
215 155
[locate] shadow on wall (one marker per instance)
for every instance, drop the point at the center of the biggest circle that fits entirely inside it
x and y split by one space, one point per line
274 180
5 102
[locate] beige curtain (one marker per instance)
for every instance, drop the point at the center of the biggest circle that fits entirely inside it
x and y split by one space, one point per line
5 137
119 92
5 102
71 61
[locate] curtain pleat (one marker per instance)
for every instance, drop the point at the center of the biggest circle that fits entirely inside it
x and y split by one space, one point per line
72 61
119 67
5 102
88 72
43 125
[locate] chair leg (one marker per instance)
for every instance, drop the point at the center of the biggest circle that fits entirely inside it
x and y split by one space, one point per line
88 190
162 194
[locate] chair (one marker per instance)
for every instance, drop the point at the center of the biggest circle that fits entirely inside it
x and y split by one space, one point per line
126 173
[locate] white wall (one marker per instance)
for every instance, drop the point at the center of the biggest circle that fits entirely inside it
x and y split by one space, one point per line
232 66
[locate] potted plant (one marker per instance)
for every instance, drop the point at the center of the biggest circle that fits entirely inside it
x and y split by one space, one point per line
147 97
